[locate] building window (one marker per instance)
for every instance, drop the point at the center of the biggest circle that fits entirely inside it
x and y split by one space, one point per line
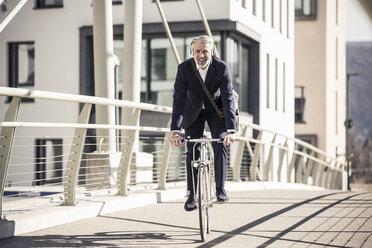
336 12
305 9
244 4
267 80
264 10
287 15
276 84
311 139
336 56
48 164
272 14
117 2
280 16
167 0
46 4
299 104
21 65
254 7
284 95
336 113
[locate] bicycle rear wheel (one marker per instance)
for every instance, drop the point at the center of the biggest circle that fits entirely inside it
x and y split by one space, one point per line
203 202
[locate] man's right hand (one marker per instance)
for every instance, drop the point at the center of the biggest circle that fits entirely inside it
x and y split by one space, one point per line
176 139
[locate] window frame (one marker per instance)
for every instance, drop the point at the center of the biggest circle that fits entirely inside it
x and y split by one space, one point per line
301 100
41 4
41 161
313 11
13 69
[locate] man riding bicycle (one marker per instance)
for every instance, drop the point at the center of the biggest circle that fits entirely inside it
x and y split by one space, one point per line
192 108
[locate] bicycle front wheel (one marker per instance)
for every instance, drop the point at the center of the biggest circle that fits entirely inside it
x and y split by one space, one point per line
203 202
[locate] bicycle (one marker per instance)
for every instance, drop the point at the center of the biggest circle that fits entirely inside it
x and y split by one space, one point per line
205 195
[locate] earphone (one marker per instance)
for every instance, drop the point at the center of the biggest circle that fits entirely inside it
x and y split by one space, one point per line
200 38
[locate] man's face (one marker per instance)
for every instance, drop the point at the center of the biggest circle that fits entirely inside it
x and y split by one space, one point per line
202 53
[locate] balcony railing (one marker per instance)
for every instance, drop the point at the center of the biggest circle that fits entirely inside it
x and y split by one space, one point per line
53 167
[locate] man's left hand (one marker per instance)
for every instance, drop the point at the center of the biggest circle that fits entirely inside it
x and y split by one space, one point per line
229 139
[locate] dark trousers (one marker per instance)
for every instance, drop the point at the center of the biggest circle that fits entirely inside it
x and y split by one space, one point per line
218 130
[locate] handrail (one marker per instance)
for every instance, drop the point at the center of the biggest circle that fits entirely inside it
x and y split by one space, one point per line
300 142
75 125
265 164
48 95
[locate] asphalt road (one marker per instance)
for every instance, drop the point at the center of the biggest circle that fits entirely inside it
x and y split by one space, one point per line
269 218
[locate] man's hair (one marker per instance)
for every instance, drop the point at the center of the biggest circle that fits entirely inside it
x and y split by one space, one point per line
204 39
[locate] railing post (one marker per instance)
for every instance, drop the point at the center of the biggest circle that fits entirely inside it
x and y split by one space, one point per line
268 167
282 152
330 169
256 157
239 156
333 176
292 163
73 166
337 182
6 145
129 136
300 168
165 159
309 167
320 175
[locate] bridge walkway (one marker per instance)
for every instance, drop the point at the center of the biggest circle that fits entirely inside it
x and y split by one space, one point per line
257 218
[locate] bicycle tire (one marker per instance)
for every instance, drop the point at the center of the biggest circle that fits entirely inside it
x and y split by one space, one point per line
202 203
209 198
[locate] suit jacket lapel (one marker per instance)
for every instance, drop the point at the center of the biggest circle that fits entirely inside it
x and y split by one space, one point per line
210 73
196 80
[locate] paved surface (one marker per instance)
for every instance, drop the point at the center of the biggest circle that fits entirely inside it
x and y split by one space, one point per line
268 218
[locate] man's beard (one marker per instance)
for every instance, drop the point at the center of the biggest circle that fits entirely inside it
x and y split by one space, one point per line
203 63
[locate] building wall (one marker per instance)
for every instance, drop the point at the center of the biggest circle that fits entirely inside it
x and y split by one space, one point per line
317 64
336 78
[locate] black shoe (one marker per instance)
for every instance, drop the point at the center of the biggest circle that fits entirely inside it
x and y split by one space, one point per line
190 203
222 196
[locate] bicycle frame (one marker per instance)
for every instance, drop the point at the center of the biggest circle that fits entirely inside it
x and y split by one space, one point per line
201 164
203 161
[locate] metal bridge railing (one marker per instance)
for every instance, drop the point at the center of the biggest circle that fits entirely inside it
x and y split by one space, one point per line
39 166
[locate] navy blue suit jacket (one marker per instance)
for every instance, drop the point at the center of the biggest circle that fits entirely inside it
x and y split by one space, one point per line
188 96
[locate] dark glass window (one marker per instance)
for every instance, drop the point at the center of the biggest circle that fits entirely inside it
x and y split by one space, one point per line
237 56
48 161
167 0
305 9
21 66
45 4
299 104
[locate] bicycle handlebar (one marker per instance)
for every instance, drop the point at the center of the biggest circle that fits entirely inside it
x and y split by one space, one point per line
202 140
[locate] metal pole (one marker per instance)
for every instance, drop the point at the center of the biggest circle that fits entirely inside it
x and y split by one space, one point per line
167 31
104 74
348 124
12 13
347 133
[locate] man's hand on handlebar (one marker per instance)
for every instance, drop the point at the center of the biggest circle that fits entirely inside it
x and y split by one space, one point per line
229 139
176 139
